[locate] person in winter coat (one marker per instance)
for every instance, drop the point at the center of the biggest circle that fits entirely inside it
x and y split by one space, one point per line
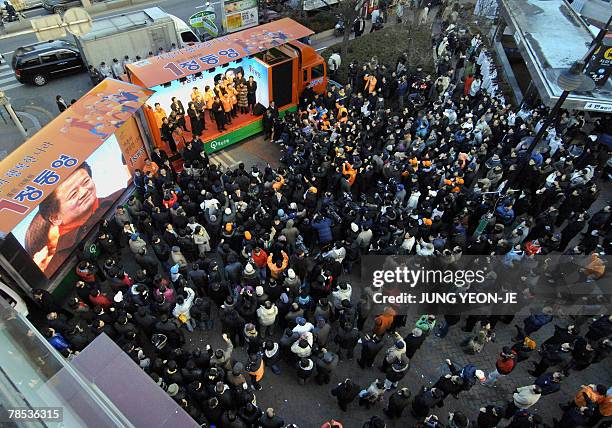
394 352
305 369
396 372
414 341
600 328
182 309
302 348
370 347
201 239
373 394
323 227
278 267
383 321
270 420
549 382
503 366
347 339
260 258
489 416
177 257
256 369
326 363
343 292
136 243
345 392
398 401
534 322
266 315
524 398
425 400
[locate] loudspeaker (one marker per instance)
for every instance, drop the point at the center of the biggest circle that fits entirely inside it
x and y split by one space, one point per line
259 109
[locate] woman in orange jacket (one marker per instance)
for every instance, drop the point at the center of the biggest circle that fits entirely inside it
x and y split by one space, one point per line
347 169
276 269
383 322
226 100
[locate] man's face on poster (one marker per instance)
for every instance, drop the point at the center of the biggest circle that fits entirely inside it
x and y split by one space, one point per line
76 197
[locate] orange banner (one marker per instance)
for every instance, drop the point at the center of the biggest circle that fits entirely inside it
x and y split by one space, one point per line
38 166
132 145
184 62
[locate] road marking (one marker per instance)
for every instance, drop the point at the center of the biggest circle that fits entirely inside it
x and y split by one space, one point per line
216 157
13 86
7 78
7 53
46 112
228 157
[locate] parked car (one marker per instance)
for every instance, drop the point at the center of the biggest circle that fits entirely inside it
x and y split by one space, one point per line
13 299
60 6
39 62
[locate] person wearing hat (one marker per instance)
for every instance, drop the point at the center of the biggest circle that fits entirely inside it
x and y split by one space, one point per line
252 339
256 368
396 372
394 352
524 398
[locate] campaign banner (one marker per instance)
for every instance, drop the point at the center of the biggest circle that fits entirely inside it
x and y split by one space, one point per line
33 171
132 145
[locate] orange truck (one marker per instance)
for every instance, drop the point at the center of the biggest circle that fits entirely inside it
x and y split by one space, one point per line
270 55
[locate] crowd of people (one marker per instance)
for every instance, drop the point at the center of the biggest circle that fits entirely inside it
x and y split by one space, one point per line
398 161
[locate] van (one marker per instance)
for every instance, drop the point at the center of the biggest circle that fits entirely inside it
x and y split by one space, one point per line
39 62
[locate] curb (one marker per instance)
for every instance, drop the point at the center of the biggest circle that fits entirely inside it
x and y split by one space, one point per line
322 35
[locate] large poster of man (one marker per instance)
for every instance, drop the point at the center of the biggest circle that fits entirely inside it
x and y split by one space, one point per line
51 232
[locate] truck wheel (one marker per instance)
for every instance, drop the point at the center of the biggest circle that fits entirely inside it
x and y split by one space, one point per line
59 10
39 80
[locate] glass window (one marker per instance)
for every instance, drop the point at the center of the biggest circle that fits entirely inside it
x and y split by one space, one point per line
305 75
66 54
316 71
189 37
30 62
48 57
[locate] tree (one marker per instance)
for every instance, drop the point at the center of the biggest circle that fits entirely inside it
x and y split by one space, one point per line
349 10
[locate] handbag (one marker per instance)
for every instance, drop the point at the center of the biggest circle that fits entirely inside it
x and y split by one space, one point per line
182 318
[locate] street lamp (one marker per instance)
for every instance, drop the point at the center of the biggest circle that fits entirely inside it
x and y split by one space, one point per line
6 103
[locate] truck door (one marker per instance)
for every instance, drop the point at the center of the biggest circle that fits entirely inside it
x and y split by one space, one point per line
314 77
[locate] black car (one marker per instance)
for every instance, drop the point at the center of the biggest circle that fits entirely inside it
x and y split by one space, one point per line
39 62
60 6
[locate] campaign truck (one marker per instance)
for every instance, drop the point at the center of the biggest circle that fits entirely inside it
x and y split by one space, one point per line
134 34
269 59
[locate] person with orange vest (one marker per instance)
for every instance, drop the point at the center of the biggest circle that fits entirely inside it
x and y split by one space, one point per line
370 83
276 269
209 99
256 369
384 321
347 169
226 100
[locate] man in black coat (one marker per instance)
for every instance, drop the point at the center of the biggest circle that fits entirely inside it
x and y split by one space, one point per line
270 420
170 329
414 341
398 401
370 347
145 320
347 339
148 262
345 392
162 250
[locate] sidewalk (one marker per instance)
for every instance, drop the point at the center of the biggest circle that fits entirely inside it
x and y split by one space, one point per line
10 137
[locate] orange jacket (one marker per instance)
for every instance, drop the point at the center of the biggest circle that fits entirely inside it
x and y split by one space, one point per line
370 84
383 322
347 169
605 406
593 396
259 373
278 184
227 103
275 271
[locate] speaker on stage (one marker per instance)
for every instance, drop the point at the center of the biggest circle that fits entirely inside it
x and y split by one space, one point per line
259 109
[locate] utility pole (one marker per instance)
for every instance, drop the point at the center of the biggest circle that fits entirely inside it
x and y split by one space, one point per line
6 102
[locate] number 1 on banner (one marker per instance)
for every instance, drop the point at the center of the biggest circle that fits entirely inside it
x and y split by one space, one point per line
174 68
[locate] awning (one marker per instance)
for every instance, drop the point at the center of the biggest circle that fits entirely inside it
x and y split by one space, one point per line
39 165
200 57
